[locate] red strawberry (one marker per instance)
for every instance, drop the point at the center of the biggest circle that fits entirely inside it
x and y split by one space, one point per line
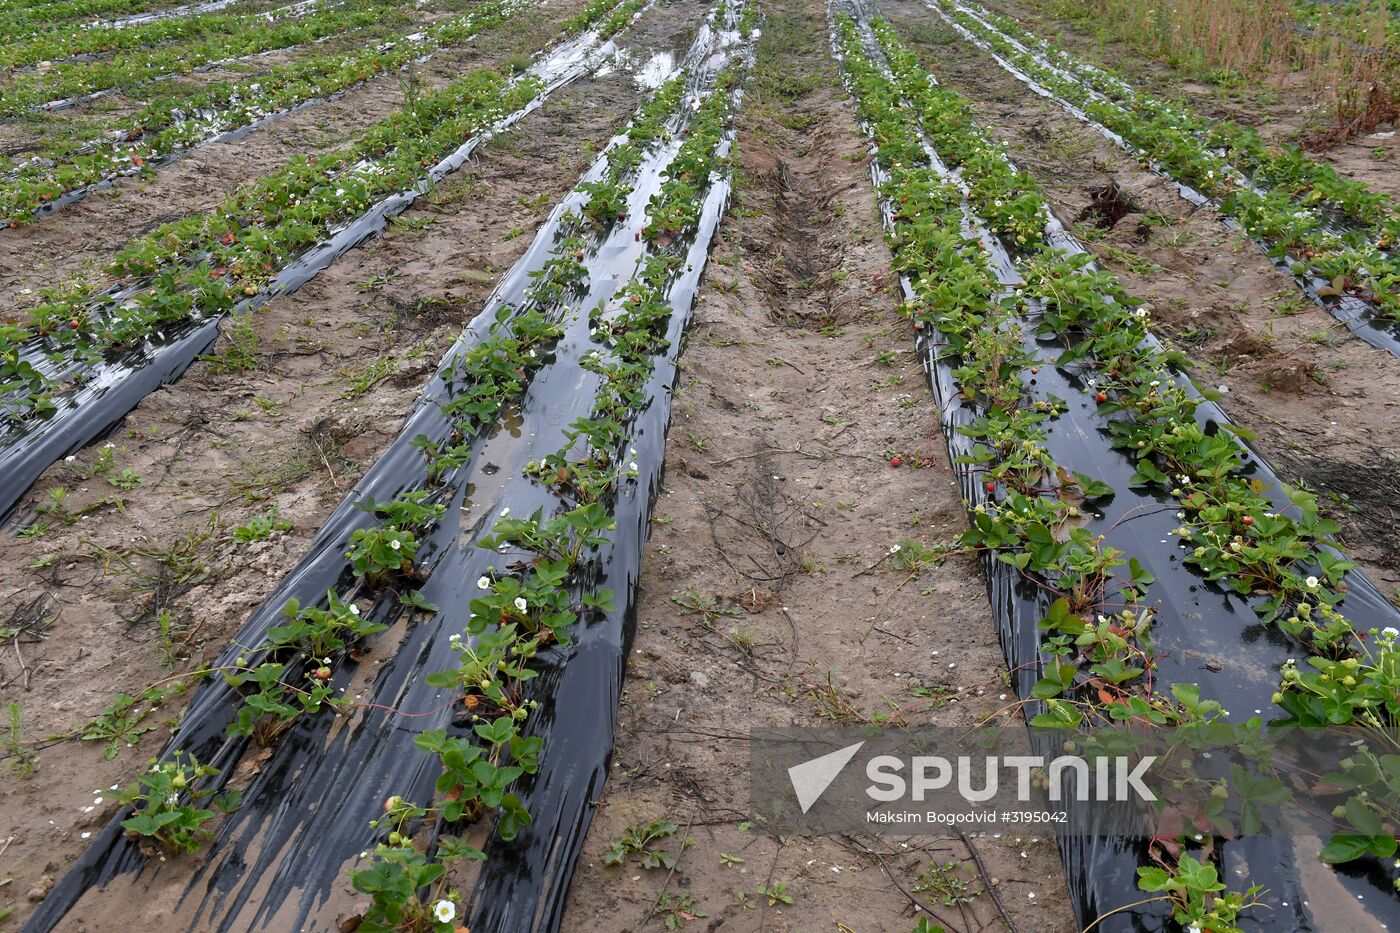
1101 397
895 461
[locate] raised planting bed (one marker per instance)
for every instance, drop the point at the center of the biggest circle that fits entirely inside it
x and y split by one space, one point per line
433 688
1147 568
1336 236
112 344
168 129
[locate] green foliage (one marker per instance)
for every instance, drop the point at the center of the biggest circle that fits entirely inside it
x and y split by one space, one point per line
1195 891
639 841
166 799
262 527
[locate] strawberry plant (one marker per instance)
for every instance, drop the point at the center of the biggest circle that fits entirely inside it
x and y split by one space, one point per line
1096 650
377 552
540 599
1275 193
400 871
165 805
1198 897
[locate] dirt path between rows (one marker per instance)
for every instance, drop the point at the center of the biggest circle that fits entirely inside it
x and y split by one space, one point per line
82 236
331 372
1324 406
766 595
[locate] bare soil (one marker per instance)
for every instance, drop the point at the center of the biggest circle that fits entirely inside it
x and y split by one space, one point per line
337 365
767 598
82 236
1323 405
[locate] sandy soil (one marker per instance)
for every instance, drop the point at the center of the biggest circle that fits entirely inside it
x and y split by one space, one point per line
765 599
82 235
338 365
1291 373
767 596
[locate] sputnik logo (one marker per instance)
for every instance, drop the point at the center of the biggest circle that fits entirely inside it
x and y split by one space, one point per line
811 778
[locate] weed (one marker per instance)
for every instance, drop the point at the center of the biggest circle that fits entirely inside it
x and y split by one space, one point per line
638 841
915 556
262 527
947 883
126 480
677 910
240 352
105 461
833 702
403 222
744 639
693 602
376 282
124 720
776 893
365 379
24 761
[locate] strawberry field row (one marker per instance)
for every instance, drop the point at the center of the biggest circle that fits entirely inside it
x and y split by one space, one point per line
199 267
168 127
560 316
211 39
1336 235
21 19
1041 315
157 306
78 42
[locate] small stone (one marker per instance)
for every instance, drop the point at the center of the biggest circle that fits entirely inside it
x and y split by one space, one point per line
700 679
41 890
